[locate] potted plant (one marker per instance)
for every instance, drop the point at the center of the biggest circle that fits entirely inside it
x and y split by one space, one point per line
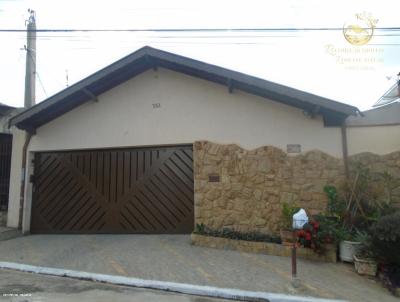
365 265
341 211
286 230
364 259
348 245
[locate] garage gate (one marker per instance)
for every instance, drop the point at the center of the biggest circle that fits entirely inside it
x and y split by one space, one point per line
137 190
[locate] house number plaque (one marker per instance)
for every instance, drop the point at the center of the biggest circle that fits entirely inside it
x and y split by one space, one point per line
213 178
293 148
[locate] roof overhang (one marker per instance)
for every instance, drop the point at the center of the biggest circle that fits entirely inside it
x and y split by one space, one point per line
5 109
334 113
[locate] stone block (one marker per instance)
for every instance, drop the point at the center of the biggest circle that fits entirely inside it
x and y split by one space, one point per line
213 194
246 193
264 165
213 149
257 194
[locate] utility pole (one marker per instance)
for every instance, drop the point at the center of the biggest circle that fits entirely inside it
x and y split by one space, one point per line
30 69
29 100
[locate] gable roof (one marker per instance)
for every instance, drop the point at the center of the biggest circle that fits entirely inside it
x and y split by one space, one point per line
390 96
145 58
4 108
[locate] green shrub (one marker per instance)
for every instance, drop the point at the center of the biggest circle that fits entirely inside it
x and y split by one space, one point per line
201 229
386 238
287 215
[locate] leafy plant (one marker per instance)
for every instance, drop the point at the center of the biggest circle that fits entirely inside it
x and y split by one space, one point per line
368 197
391 277
364 198
336 206
330 230
386 239
365 250
201 229
287 214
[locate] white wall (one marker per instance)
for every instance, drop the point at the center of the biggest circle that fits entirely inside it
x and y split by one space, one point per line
191 109
15 177
375 139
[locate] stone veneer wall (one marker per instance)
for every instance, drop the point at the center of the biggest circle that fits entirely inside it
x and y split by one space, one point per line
378 164
253 184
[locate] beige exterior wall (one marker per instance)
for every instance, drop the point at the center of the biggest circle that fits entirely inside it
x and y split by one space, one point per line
190 109
375 139
15 177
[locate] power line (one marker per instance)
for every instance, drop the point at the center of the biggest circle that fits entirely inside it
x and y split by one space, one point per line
41 84
279 29
36 72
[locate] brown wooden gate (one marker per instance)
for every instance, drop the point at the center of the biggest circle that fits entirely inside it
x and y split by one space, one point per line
5 164
138 190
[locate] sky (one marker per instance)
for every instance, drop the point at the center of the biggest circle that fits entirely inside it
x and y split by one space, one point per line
319 62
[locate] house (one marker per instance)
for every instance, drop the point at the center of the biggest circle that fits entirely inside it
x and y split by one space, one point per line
157 142
390 96
376 130
5 154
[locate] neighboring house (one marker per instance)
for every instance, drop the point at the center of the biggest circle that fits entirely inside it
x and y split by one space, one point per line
391 96
6 112
376 130
147 145
5 155
6 137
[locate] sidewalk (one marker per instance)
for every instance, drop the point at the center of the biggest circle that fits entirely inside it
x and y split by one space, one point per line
172 258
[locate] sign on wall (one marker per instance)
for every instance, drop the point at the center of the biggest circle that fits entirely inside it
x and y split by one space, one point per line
293 148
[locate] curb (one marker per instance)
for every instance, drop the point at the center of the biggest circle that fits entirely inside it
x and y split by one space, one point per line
190 289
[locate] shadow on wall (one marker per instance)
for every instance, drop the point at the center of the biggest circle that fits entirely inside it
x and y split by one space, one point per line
3 218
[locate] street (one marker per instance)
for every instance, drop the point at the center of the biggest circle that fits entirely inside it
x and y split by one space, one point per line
27 287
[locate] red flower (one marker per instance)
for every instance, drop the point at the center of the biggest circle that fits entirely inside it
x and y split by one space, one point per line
315 224
300 233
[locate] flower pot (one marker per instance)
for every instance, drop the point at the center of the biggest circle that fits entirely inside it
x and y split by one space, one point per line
365 266
347 250
286 237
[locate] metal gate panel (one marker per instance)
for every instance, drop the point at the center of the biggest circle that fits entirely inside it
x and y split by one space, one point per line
138 190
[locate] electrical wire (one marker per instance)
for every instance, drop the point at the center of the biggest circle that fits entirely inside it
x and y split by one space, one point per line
277 29
37 73
41 84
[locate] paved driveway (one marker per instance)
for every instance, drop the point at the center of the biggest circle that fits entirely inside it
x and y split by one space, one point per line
172 258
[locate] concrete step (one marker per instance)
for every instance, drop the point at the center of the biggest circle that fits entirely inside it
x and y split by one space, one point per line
3 218
9 233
